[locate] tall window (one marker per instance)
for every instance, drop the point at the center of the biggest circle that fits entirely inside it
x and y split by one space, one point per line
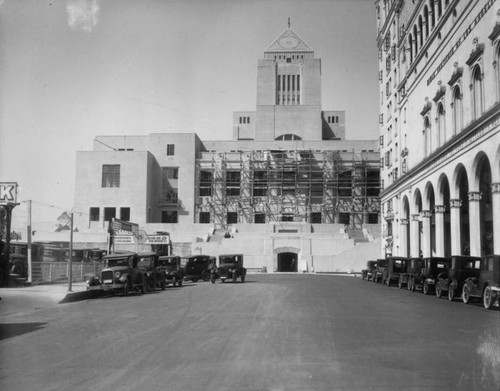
259 183
170 149
109 213
477 92
259 218
233 182
457 110
204 217
316 218
232 217
94 214
345 184
125 214
206 178
169 217
427 137
441 136
169 184
110 175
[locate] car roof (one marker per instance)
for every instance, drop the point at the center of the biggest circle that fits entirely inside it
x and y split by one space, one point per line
121 254
231 255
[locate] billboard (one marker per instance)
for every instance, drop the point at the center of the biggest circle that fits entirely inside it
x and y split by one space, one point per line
8 192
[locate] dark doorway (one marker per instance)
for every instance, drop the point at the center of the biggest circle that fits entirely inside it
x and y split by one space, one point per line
287 262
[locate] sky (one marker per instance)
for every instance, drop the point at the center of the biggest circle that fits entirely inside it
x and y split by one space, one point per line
71 70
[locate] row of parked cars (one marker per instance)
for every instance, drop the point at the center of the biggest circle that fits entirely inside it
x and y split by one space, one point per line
125 272
461 276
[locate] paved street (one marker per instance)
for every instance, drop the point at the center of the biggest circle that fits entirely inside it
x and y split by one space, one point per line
274 332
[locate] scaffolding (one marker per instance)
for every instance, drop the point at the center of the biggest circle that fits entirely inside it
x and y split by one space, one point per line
318 187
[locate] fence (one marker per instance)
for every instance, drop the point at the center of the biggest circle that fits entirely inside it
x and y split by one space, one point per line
53 272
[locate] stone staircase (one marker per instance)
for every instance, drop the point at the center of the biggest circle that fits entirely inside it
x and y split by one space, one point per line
357 235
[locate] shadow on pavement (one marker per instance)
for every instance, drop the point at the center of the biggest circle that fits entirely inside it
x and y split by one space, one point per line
9 330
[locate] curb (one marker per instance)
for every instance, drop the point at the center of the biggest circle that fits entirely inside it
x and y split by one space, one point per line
75 296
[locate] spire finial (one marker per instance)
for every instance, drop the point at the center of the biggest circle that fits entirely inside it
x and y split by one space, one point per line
288 22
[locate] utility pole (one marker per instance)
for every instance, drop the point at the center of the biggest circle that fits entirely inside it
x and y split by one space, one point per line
28 237
70 273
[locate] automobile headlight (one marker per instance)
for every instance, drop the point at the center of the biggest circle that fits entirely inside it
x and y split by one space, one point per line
117 275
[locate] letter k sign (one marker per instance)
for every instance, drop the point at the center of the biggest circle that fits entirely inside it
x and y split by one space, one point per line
7 192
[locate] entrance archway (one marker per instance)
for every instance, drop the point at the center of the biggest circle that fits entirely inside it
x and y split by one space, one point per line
287 262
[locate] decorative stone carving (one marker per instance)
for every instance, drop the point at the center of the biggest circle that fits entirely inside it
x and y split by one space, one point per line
439 208
474 196
455 203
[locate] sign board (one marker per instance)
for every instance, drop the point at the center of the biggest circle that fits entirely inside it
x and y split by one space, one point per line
8 192
123 238
120 225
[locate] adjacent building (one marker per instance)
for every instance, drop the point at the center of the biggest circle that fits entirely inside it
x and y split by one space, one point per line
439 79
288 190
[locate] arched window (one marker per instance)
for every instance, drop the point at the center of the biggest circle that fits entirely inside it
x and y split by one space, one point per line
415 35
439 9
498 71
421 31
410 43
427 137
433 19
441 125
457 110
426 22
288 137
477 92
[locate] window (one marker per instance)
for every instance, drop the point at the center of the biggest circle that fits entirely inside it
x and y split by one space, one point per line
169 181
204 217
372 218
344 218
441 136
260 183
427 137
170 149
169 216
259 218
232 217
287 217
94 214
109 213
233 183
316 218
206 183
125 214
345 184
111 175
477 92
372 183
171 173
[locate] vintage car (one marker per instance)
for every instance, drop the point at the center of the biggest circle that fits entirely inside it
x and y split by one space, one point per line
119 275
174 272
395 266
461 268
198 267
413 270
367 274
155 273
487 285
379 271
426 279
230 267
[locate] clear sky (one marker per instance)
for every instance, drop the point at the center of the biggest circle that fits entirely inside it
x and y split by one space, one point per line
74 69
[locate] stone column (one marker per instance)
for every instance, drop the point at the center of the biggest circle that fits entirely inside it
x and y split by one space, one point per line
439 213
456 246
475 223
426 235
495 205
415 235
403 237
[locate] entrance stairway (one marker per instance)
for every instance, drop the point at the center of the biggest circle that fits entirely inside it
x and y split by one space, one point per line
357 235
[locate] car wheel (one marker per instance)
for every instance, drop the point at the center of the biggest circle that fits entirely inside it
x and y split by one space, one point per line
451 293
362 276
206 276
413 286
488 298
465 294
425 288
162 285
223 280
235 277
438 290
242 278
174 281
212 279
144 286
152 284
194 279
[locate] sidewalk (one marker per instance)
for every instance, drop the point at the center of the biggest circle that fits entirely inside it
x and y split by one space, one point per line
20 298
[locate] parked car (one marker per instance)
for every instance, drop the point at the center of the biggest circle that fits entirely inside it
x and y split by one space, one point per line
487 285
174 272
230 267
367 274
121 274
431 268
155 273
198 267
379 271
413 272
395 266
461 268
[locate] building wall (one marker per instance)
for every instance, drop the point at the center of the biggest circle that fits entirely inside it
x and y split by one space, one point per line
437 60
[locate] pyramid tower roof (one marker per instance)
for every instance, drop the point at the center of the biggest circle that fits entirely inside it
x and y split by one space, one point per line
289 41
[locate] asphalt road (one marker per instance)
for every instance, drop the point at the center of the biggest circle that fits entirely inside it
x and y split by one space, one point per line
274 332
